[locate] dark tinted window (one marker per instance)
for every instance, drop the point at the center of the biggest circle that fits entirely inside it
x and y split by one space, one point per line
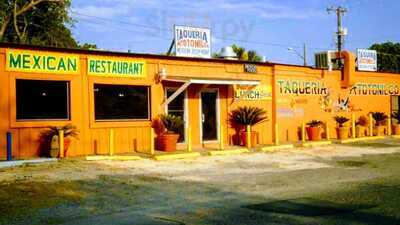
113 102
42 99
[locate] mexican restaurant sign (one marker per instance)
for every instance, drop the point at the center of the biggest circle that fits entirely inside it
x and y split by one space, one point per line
367 60
302 87
192 42
41 62
116 67
375 89
261 92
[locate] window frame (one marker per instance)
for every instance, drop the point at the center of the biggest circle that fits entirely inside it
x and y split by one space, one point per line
148 87
185 109
68 88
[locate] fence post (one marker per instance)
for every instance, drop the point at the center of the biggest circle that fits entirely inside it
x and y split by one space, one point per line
248 137
151 141
303 132
111 142
61 141
353 125
371 126
221 138
9 146
389 123
189 139
328 137
276 134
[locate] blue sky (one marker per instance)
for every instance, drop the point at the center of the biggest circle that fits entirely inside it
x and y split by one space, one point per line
268 26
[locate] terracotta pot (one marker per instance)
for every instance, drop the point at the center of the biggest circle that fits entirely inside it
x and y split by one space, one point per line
167 142
55 148
253 138
396 129
342 132
379 130
360 131
313 133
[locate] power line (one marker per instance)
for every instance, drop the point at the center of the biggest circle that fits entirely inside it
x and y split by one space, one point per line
340 11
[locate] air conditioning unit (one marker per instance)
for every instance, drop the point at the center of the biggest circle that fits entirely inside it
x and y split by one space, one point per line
326 60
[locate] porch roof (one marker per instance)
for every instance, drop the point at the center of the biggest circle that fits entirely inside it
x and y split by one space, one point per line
213 80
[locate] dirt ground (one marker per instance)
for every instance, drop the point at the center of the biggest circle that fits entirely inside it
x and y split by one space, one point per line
338 184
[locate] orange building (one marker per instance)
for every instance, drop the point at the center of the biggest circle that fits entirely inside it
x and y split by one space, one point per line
98 91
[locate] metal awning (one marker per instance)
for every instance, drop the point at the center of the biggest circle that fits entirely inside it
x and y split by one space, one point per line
194 80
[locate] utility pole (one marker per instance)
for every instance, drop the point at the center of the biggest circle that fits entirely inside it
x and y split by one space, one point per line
305 54
340 11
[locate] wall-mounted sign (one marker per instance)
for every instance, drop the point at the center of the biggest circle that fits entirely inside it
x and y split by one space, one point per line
116 67
302 87
192 42
250 68
367 60
41 62
375 89
261 92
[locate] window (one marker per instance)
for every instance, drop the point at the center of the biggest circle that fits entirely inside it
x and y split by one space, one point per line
121 102
177 108
42 99
395 100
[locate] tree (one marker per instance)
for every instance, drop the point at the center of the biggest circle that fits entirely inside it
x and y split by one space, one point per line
37 22
388 56
87 46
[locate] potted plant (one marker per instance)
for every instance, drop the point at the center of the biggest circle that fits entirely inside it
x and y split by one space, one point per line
314 130
247 116
168 139
342 130
396 127
51 137
361 126
380 121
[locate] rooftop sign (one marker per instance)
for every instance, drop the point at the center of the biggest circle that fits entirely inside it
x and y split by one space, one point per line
192 42
367 60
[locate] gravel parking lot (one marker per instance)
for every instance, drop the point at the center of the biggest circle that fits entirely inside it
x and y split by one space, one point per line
338 184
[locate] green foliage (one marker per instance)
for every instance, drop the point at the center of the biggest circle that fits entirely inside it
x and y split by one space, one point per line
253 56
247 115
46 23
379 117
69 131
242 54
388 56
341 120
396 116
315 123
87 46
171 122
362 121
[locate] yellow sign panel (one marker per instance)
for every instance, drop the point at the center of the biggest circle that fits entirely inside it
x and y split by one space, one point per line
261 92
41 62
116 67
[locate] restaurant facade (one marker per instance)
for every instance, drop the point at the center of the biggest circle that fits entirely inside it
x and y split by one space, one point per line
97 91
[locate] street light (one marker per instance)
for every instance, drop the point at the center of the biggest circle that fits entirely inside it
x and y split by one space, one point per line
304 56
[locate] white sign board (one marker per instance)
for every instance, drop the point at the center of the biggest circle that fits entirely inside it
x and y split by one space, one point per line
367 60
192 42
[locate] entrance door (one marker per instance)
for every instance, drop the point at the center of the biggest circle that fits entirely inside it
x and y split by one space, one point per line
209 116
177 108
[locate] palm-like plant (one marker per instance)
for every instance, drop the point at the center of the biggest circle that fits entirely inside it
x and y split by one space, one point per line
253 56
69 131
379 117
171 123
240 52
248 115
341 120
315 123
396 116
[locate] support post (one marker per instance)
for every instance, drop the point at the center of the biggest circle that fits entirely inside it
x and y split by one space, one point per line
221 138
328 137
248 137
371 125
353 125
111 142
61 141
389 124
276 134
9 146
303 132
151 141
189 139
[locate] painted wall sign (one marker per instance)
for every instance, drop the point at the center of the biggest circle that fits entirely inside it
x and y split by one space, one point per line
116 67
250 68
192 42
261 92
289 112
367 60
375 89
41 62
302 87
